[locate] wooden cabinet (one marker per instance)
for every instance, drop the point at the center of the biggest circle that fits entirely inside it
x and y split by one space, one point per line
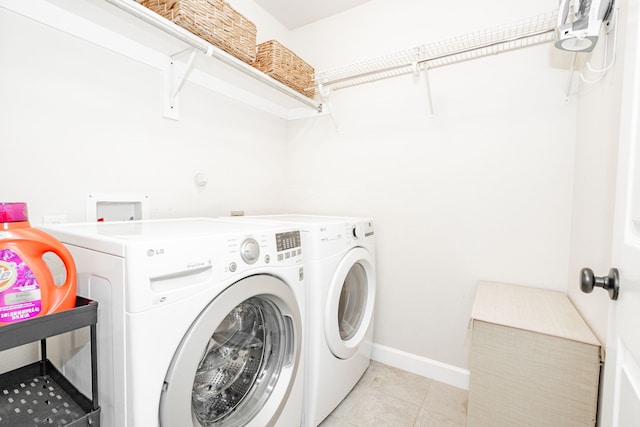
533 361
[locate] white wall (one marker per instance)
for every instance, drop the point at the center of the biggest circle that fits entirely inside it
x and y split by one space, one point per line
80 119
267 27
482 190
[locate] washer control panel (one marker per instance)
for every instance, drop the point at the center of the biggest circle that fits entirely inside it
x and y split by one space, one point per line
288 244
279 248
250 251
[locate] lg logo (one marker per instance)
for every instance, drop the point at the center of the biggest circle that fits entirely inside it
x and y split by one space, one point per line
152 252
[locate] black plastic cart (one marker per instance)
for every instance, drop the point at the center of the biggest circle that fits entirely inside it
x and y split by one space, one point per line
38 394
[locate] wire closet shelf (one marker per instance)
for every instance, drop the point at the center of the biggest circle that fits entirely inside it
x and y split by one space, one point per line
527 32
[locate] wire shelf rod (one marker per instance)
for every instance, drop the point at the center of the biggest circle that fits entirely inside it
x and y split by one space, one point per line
408 65
532 31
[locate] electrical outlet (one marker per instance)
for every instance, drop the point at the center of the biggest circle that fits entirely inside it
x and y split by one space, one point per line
54 219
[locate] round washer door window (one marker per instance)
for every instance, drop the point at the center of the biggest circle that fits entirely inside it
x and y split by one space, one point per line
238 361
350 303
243 348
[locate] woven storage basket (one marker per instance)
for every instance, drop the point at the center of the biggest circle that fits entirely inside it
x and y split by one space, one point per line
212 20
285 66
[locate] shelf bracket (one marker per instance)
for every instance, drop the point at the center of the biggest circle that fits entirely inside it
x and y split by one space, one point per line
428 84
416 77
415 69
570 80
324 95
173 81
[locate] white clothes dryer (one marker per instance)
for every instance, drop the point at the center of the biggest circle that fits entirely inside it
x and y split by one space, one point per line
199 321
339 256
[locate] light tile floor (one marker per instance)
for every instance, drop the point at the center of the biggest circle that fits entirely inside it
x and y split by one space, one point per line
390 397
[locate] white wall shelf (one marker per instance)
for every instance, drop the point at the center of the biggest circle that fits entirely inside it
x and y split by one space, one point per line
420 59
129 29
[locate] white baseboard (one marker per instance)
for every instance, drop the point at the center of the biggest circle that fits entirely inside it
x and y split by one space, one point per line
433 369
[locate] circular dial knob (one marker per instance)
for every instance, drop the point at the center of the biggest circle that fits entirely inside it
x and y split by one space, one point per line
357 232
250 251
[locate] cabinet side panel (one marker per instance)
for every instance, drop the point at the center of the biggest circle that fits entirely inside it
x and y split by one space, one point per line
520 377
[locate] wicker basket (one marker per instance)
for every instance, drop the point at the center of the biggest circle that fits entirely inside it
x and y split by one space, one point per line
212 20
285 66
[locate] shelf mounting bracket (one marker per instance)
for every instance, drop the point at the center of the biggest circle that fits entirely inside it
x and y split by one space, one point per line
324 95
416 71
174 76
428 87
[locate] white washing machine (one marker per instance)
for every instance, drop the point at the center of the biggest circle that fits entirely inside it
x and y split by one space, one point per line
339 256
199 321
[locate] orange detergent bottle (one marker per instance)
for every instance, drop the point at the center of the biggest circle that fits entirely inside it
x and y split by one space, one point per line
27 287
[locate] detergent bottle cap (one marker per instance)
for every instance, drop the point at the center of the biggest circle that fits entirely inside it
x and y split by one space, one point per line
13 212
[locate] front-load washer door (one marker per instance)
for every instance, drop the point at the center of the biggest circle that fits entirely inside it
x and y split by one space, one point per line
350 303
238 361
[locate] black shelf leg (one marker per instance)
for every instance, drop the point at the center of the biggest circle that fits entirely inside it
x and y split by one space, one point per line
43 357
94 367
